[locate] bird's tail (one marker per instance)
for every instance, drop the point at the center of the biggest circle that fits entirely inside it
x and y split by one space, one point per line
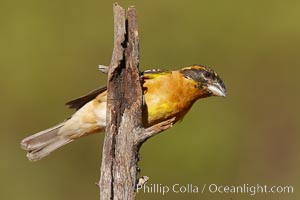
43 143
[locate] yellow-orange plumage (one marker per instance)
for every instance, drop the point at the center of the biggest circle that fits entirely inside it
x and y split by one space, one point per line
167 94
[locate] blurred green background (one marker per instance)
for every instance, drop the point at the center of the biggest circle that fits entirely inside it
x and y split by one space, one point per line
49 54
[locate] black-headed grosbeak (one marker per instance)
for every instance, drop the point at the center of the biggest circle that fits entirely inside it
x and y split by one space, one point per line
168 94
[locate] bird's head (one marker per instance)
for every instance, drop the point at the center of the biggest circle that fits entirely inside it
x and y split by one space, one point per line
206 79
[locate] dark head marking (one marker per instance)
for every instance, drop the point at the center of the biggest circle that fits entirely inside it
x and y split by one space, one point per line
204 76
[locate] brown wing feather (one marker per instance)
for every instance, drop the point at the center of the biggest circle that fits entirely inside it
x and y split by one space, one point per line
81 101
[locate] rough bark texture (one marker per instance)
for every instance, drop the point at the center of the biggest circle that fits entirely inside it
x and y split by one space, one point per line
124 130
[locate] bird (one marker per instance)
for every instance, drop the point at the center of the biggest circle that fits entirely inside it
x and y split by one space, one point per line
167 94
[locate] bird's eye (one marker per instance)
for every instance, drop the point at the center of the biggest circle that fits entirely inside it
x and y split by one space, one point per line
207 74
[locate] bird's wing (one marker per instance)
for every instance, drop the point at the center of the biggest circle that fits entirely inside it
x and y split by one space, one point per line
81 101
154 73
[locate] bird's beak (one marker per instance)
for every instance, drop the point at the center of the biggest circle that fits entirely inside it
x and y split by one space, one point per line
217 89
